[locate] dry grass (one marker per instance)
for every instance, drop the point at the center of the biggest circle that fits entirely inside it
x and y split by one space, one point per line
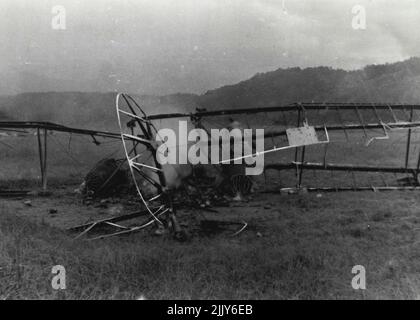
307 249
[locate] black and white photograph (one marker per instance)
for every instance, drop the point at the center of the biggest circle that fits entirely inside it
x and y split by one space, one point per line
209 154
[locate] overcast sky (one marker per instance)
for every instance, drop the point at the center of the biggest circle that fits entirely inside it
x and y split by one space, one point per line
167 46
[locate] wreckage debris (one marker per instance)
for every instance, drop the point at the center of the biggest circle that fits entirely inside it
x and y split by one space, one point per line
107 177
211 227
13 193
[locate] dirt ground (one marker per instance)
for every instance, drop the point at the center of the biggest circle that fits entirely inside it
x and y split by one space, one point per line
63 208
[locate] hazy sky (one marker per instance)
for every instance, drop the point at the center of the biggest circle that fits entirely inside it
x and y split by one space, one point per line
167 46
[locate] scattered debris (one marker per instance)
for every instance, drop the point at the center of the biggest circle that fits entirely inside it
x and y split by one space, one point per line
216 226
13 193
160 231
103 204
81 189
241 229
303 190
240 184
237 197
106 177
28 203
115 210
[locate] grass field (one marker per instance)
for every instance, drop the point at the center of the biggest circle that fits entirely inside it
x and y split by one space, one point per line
300 246
297 247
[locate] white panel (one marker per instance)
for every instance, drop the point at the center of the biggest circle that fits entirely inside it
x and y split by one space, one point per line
302 136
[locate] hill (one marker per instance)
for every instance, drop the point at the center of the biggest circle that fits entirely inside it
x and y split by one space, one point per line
83 109
397 82
393 83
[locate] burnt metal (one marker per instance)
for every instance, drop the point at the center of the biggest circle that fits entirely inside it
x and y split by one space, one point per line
289 107
42 128
339 167
56 127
